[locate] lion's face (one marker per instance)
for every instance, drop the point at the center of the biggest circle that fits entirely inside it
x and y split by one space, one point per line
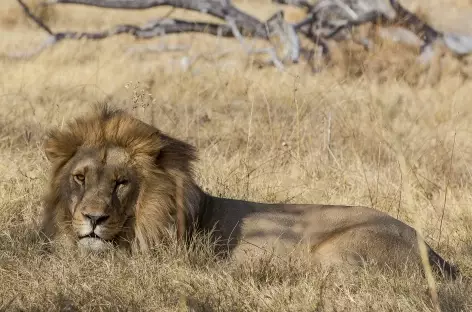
116 179
102 189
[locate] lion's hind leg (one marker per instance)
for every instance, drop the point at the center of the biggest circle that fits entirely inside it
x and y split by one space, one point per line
368 246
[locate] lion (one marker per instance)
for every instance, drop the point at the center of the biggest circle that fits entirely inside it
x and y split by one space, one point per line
118 181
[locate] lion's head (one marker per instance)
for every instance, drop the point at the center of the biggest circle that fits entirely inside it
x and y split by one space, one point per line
117 179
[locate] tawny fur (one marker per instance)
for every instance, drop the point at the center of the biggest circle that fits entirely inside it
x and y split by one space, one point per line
168 198
156 203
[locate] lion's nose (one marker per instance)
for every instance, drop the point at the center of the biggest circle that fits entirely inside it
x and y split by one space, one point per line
95 218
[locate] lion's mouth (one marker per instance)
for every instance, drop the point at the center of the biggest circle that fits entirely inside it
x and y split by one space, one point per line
93 235
94 242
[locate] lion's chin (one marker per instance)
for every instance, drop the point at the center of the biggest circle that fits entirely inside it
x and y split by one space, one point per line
94 244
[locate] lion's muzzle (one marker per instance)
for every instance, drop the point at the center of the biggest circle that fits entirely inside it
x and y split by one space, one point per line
93 229
95 218
93 233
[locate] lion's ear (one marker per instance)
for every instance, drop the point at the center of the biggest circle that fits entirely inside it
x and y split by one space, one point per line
59 147
52 149
175 154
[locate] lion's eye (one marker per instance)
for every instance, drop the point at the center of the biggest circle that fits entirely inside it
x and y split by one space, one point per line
79 178
121 182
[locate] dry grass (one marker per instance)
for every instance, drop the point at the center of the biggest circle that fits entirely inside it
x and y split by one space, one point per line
262 135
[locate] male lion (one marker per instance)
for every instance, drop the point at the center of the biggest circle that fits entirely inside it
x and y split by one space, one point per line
116 179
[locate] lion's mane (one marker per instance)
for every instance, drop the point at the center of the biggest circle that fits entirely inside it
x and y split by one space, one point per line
166 185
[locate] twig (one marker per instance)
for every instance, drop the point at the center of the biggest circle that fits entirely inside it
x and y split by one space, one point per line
328 136
187 62
35 18
50 41
374 17
250 50
447 186
287 34
400 191
157 48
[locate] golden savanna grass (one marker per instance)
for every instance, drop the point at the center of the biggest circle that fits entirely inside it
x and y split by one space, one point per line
373 128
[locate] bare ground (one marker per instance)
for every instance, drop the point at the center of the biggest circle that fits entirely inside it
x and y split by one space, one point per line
374 129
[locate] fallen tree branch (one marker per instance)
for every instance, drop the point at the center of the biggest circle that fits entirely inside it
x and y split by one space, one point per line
328 18
236 23
459 44
297 3
221 9
35 19
287 34
157 28
410 21
374 17
250 50
49 41
156 48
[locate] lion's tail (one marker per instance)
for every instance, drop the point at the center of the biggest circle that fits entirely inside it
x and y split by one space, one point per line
437 262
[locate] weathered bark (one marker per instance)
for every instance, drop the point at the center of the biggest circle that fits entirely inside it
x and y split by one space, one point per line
237 25
222 9
156 28
410 21
297 3
327 19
